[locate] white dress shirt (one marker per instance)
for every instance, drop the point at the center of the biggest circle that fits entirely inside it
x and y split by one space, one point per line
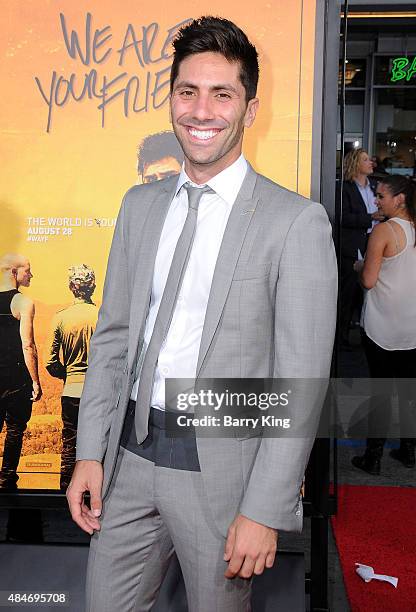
369 198
179 353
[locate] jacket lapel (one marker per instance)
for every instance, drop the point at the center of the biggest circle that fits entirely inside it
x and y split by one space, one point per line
234 235
145 263
359 197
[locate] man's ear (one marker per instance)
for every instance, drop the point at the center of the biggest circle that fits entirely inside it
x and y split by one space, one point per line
251 112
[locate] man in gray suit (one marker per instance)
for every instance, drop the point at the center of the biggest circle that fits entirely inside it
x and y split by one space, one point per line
219 273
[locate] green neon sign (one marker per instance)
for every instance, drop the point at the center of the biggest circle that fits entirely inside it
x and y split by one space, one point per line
402 69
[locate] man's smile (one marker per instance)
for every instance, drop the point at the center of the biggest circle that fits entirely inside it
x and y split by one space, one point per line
199 134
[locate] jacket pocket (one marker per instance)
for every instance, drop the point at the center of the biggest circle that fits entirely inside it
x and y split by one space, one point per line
248 270
247 434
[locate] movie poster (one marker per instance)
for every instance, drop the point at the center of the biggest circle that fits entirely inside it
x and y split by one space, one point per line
84 115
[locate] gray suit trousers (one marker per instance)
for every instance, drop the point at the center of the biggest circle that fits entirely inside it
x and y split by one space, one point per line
148 512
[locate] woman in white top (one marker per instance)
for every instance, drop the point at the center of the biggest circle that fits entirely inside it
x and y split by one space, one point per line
389 315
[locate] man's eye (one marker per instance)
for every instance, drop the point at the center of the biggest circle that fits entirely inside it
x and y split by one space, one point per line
187 93
223 96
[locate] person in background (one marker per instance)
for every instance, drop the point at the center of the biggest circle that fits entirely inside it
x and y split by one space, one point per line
359 215
159 156
378 167
389 316
67 357
19 377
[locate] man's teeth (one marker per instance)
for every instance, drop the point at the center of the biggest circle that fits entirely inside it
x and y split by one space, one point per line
203 134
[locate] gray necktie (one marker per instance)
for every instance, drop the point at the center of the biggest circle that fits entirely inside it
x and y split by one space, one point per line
166 309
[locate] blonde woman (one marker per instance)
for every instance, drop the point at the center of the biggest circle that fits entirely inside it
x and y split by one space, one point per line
359 214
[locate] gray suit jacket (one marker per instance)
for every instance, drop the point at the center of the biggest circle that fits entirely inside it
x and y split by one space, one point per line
271 313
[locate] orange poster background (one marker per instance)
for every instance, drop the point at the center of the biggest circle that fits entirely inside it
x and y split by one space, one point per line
80 170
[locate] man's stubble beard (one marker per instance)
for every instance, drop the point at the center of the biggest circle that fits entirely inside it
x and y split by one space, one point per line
220 155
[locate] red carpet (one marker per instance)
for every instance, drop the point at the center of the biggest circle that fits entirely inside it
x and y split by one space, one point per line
377 526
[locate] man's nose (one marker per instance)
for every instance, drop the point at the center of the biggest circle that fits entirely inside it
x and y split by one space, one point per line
202 109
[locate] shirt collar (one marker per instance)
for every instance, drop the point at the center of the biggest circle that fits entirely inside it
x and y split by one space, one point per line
226 184
367 184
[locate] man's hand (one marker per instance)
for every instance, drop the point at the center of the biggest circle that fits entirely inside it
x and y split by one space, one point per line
36 392
250 547
87 476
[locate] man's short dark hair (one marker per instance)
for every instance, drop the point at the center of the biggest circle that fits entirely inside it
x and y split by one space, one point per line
158 146
218 36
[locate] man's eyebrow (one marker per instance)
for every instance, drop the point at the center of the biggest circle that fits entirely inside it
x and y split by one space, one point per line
185 84
225 87
219 87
